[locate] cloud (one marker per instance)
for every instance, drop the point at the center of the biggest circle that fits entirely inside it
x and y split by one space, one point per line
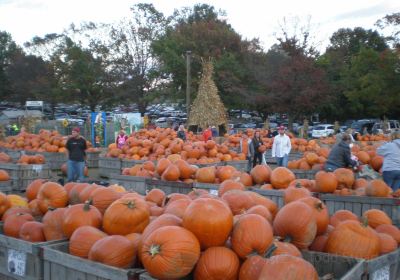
365 12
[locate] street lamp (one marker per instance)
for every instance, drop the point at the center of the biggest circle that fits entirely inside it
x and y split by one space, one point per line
188 53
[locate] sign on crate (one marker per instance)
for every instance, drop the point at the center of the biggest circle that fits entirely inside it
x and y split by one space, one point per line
16 262
382 274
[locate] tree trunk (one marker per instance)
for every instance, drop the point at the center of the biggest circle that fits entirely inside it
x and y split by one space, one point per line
142 107
290 122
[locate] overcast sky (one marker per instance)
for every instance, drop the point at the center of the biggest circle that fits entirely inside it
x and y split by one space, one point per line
25 19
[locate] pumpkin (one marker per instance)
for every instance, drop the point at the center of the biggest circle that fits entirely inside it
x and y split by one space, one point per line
211 266
185 170
228 185
156 195
34 206
172 173
389 229
4 176
377 188
251 267
126 215
281 248
287 267
360 183
281 177
226 172
262 211
165 248
33 188
82 240
295 193
363 157
75 192
325 182
296 222
376 162
101 198
32 232
15 210
4 204
80 215
261 174
13 223
174 197
252 233
264 201
376 217
52 224
113 250
206 175
351 238
156 210
17 201
319 243
162 165
345 177
177 207
321 213
238 201
387 243
117 188
210 220
51 195
340 216
197 193
87 191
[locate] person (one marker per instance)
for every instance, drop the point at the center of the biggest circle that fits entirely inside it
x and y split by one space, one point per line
214 131
349 132
121 139
76 146
181 133
257 142
340 155
247 149
207 134
281 147
270 134
391 161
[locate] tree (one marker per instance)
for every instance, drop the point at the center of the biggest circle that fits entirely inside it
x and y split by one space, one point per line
392 22
7 49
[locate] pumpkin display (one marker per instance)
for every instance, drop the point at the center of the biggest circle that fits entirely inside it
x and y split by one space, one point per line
210 220
166 247
287 267
114 250
52 224
217 263
13 223
32 231
245 240
126 215
80 215
82 240
281 177
296 222
51 195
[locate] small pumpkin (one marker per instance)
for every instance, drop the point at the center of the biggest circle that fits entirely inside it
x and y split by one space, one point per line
82 240
32 231
340 216
251 267
281 177
376 217
13 223
387 243
295 193
33 188
52 224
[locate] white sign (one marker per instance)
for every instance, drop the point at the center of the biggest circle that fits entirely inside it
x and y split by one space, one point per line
34 103
37 168
16 262
214 192
382 274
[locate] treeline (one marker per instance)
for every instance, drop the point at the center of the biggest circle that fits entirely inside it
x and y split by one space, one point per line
143 59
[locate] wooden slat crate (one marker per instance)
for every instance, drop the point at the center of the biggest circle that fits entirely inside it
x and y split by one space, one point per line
22 175
128 163
54 160
92 159
359 204
240 165
22 257
304 174
108 166
211 188
60 265
221 163
168 187
275 195
384 267
130 183
14 154
5 186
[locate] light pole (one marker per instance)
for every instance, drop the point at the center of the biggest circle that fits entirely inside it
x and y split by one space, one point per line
188 53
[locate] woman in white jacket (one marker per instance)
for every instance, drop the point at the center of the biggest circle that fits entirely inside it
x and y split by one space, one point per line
281 148
391 161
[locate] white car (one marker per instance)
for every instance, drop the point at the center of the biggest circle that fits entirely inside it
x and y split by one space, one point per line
323 130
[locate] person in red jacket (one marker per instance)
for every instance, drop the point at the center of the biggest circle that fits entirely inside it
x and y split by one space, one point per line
207 134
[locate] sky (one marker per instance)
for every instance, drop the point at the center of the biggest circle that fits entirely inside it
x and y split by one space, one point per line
25 19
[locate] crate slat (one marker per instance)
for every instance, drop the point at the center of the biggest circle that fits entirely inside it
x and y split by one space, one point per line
130 183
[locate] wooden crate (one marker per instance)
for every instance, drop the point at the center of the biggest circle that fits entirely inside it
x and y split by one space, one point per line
384 267
5 187
22 175
92 159
108 166
53 160
221 163
211 188
240 165
128 163
343 268
27 256
168 187
130 183
14 154
304 174
359 204
147 276
60 265
275 195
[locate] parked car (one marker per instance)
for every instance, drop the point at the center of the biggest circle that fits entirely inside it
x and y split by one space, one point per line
323 130
360 125
393 125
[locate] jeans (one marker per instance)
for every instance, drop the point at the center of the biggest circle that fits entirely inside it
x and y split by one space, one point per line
392 179
249 163
282 161
75 170
257 159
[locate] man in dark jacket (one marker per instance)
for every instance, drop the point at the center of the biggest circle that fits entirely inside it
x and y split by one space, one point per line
340 155
76 146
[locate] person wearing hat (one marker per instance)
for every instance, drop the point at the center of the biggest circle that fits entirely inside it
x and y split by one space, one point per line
281 147
76 146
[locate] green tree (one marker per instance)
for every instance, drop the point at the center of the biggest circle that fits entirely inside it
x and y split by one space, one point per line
8 48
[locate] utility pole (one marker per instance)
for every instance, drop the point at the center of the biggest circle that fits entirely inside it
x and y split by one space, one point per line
188 53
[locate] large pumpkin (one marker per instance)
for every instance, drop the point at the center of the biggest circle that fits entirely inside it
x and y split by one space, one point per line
4 203
226 172
83 239
217 263
126 215
261 174
80 215
206 175
113 250
228 185
251 233
103 197
210 220
238 201
351 238
376 217
295 193
32 231
281 177
161 221
13 224
345 177
296 222
51 195
33 188
52 224
321 213
75 192
325 182
251 267
170 252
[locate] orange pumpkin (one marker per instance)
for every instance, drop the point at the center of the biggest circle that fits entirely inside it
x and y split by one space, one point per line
51 195
281 177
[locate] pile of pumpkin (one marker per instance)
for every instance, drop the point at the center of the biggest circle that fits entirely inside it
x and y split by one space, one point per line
165 145
229 236
33 159
45 141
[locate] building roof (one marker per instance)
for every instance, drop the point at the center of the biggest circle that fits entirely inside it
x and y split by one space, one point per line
14 114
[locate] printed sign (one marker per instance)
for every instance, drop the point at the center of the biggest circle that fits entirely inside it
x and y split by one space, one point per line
214 192
382 274
16 262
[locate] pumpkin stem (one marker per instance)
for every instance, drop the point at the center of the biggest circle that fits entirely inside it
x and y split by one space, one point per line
298 185
364 221
287 239
86 206
270 251
51 208
319 206
154 250
130 204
